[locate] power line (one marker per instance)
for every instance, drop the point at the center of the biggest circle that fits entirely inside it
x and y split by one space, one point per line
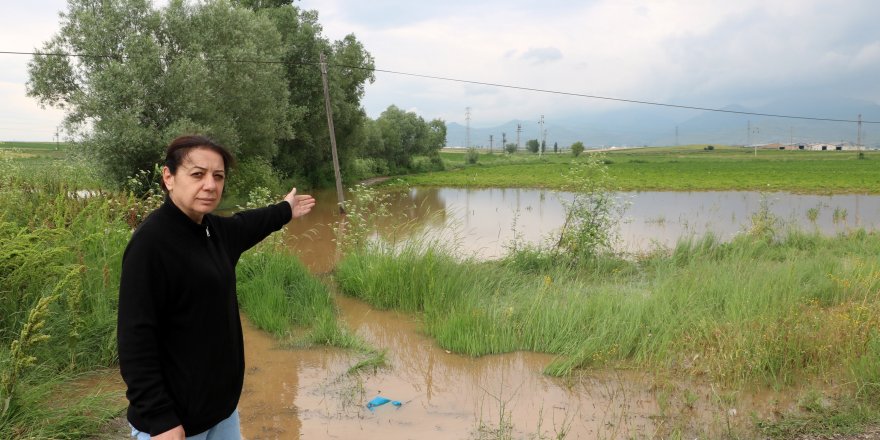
465 81
633 101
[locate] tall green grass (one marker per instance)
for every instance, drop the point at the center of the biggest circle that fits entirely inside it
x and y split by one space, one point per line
59 254
280 296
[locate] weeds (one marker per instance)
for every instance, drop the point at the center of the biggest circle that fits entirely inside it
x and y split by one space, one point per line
21 350
590 216
365 208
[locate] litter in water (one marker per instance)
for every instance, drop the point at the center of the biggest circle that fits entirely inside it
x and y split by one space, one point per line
379 401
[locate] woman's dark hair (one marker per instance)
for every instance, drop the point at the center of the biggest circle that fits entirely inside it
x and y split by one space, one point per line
180 147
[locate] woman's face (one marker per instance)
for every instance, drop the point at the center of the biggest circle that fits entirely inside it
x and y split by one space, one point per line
197 185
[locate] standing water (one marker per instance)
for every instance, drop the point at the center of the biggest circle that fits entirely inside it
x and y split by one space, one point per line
484 222
310 394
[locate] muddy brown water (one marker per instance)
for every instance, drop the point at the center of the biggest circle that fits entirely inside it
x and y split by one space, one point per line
484 222
310 394
293 393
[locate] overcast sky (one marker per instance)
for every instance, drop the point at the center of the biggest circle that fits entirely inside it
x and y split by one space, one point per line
703 53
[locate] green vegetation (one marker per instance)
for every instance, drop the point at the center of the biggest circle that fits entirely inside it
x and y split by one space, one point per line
673 169
775 307
60 254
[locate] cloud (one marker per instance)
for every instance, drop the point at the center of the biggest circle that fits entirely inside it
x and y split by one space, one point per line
541 55
709 54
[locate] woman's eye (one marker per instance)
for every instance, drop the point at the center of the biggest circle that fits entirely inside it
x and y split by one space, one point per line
219 176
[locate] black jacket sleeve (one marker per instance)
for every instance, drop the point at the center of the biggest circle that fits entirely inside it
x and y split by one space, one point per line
142 292
247 228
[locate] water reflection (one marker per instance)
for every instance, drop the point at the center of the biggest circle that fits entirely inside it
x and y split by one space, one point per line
484 222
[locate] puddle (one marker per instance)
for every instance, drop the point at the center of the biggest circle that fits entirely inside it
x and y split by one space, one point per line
308 393
292 393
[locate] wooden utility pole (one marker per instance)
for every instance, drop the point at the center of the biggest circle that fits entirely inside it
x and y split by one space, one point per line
339 194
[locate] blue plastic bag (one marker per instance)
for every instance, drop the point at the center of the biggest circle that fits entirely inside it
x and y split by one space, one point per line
379 401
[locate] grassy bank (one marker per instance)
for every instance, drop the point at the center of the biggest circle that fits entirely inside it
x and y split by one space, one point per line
689 168
60 255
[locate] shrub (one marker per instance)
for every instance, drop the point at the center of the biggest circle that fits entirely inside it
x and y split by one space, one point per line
590 217
533 145
510 148
254 173
577 148
472 156
363 168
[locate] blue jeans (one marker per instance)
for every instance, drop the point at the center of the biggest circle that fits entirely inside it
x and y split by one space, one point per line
227 429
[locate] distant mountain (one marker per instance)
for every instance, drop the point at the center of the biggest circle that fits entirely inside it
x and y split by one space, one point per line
670 126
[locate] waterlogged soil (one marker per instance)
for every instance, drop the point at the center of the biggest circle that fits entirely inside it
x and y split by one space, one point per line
442 395
310 393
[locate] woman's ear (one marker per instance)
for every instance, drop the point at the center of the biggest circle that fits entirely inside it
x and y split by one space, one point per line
167 178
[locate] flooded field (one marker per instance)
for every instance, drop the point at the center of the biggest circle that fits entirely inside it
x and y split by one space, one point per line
309 393
484 222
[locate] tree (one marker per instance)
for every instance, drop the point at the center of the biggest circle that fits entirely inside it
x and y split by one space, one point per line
148 75
543 146
436 137
577 148
532 145
556 147
404 135
510 148
350 67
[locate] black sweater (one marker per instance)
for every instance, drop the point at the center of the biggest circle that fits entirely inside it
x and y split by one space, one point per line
179 334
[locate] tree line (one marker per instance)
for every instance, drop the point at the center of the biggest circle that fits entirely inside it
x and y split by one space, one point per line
244 72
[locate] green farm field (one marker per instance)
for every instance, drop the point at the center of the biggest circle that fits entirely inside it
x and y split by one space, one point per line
689 168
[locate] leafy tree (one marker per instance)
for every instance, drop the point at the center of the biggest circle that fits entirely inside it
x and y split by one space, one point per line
556 147
510 148
350 67
148 75
404 135
577 148
543 146
436 136
532 145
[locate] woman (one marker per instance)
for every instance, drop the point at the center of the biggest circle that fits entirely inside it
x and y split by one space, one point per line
179 334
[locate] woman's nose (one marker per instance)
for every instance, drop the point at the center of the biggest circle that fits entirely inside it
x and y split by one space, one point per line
210 184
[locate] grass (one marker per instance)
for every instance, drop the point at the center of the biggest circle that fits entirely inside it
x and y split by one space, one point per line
60 256
672 169
279 295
